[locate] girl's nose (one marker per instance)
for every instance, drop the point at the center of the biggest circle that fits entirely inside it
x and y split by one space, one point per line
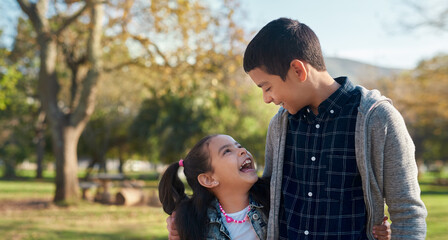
243 151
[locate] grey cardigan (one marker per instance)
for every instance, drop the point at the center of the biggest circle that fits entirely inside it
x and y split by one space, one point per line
386 161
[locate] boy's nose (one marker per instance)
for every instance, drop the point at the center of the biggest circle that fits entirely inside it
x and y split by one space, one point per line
267 98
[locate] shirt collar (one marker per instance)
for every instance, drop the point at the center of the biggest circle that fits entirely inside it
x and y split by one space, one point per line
330 106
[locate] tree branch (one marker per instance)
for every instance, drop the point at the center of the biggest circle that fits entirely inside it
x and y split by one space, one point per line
135 62
31 11
71 19
86 103
145 42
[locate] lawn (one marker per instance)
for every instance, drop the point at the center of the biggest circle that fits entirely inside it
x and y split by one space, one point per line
26 212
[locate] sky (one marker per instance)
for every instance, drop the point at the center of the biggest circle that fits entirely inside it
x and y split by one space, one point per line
364 30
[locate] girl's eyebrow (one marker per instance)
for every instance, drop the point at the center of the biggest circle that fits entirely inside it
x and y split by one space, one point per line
226 146
223 147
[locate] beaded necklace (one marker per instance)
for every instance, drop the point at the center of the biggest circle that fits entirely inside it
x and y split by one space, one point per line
230 219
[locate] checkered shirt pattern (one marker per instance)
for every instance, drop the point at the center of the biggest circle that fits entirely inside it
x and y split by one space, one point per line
322 196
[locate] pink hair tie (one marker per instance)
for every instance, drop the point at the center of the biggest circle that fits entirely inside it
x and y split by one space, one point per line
181 162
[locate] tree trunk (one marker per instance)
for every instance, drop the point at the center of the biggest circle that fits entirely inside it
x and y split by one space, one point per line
10 168
40 143
120 157
65 143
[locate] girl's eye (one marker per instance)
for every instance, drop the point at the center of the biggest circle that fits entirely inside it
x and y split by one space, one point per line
226 151
267 89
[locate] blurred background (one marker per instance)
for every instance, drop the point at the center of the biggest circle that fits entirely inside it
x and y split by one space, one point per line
97 97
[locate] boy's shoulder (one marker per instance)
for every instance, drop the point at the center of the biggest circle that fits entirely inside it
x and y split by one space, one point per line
281 113
371 99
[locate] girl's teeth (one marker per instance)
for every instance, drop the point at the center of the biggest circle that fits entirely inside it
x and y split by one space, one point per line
245 162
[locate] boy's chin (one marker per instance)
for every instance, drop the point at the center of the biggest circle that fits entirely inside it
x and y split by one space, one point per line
292 111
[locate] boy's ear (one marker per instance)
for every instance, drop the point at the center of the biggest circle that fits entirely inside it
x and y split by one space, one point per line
206 180
299 69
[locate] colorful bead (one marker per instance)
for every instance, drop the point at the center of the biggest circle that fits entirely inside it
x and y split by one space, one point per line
230 219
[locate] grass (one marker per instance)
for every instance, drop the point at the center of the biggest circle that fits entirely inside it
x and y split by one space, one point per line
26 212
435 198
85 221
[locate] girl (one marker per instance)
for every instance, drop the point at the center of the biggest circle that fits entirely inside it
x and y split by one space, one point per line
229 201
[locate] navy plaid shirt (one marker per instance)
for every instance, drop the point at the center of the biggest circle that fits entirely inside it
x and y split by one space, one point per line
322 196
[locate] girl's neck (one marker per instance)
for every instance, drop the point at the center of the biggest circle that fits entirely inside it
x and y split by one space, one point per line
232 202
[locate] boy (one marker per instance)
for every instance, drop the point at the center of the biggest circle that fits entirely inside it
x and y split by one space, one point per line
334 152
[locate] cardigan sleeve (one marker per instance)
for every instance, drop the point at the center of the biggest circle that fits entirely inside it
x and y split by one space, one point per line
269 150
401 189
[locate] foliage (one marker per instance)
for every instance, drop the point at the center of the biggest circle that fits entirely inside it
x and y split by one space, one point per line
16 118
178 92
420 95
184 55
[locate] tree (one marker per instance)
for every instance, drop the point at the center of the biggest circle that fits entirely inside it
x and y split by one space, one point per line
66 123
16 115
163 45
420 95
26 61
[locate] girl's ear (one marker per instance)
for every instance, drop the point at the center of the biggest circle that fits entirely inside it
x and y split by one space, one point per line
299 69
206 180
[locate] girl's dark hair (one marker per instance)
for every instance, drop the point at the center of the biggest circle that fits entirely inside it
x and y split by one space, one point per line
260 194
280 42
191 212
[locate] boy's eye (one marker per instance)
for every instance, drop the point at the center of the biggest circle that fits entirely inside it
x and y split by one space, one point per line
267 89
226 151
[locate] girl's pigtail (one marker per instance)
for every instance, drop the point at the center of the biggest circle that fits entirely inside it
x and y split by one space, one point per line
171 189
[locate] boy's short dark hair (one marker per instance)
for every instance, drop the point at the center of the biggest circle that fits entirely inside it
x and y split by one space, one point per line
280 42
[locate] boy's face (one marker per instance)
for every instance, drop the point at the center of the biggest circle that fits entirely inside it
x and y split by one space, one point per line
290 94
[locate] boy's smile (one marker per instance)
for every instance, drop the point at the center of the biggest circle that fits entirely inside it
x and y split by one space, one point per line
289 94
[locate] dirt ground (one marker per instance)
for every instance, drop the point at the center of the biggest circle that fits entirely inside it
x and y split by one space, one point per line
23 205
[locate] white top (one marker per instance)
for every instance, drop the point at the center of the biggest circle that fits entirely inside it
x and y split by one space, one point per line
240 230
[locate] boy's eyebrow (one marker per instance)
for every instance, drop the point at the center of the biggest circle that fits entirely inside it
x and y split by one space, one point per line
261 84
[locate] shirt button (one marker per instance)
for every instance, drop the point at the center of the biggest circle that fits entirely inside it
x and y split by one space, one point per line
313 159
255 216
306 232
317 126
310 194
332 111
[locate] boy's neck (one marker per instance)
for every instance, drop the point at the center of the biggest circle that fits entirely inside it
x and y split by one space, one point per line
324 86
233 202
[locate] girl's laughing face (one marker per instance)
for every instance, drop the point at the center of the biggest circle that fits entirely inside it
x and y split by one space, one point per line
233 166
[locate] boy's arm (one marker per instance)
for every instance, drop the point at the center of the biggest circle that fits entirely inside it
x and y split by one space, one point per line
401 187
